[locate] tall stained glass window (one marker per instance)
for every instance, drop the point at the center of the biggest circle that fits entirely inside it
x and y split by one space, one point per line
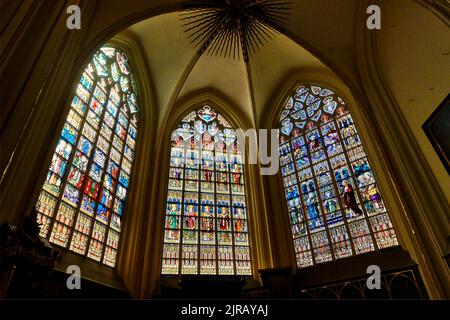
82 201
205 220
334 203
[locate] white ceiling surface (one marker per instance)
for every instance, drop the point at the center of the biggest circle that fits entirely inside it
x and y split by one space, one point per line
169 55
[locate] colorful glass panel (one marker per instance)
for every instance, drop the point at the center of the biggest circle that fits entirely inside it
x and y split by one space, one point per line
79 206
335 207
205 225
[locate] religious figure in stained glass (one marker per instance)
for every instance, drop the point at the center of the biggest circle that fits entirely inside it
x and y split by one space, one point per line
206 185
335 207
81 203
349 198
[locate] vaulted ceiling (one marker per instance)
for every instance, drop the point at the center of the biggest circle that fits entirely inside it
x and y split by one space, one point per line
411 46
178 72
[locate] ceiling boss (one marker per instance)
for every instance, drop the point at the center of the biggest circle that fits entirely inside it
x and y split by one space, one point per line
230 28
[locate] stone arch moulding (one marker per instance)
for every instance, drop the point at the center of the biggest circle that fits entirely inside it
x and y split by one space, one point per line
121 23
126 21
100 30
136 202
137 215
325 78
260 252
426 224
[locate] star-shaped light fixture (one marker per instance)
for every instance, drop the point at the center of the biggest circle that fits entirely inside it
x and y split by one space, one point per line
231 27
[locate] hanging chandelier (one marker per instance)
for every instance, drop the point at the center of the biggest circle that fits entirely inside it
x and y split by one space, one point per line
230 28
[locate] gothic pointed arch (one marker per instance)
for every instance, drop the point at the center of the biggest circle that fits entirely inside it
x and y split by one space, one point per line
334 204
82 201
205 225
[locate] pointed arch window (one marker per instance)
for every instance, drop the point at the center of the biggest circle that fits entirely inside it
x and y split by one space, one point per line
335 207
205 229
81 203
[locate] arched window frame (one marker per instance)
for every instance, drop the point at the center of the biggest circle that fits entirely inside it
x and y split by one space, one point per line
306 257
103 235
239 266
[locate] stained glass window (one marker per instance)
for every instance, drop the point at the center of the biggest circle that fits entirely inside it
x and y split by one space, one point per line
81 203
335 207
205 224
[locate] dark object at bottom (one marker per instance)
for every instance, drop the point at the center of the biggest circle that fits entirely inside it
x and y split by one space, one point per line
212 287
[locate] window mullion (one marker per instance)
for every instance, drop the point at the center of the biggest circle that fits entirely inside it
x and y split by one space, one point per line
69 164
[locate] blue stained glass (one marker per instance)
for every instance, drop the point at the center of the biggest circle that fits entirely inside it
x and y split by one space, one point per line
85 146
327 192
287 169
132 132
129 153
78 105
86 82
302 162
285 159
96 172
124 179
69 133
106 198
314 141
334 149
94 192
123 120
331 138
292 193
118 207
124 83
360 167
324 178
300 152
333 167
88 205
318 156
58 165
99 157
297 143
112 169
102 212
